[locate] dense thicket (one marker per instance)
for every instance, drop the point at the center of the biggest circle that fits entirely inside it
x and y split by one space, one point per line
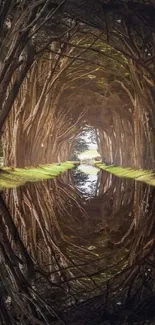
125 35
65 65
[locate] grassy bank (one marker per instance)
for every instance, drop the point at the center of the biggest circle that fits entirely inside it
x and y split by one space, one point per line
14 177
140 175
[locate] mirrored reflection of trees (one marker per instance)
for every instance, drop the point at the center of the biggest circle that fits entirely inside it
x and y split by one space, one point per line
80 178
65 250
86 183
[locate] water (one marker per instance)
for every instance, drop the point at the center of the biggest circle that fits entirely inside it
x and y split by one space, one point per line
90 240
86 179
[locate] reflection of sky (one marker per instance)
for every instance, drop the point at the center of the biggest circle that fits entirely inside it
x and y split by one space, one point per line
90 170
90 185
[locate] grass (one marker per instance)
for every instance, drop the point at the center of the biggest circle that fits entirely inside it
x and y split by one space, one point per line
14 177
140 175
89 154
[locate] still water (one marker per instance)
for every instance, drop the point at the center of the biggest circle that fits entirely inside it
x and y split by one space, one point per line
88 255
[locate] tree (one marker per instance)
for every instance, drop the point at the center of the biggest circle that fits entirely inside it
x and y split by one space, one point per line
80 145
126 29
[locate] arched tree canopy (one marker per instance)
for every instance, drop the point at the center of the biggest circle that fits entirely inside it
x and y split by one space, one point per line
100 54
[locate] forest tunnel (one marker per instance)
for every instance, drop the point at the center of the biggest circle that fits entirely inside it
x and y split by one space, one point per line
53 108
95 69
67 67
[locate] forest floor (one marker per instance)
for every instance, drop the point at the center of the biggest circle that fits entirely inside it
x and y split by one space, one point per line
11 177
140 175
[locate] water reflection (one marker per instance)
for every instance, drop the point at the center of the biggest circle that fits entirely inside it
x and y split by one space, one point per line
85 179
80 256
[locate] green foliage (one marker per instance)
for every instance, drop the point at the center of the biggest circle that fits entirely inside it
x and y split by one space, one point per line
80 146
